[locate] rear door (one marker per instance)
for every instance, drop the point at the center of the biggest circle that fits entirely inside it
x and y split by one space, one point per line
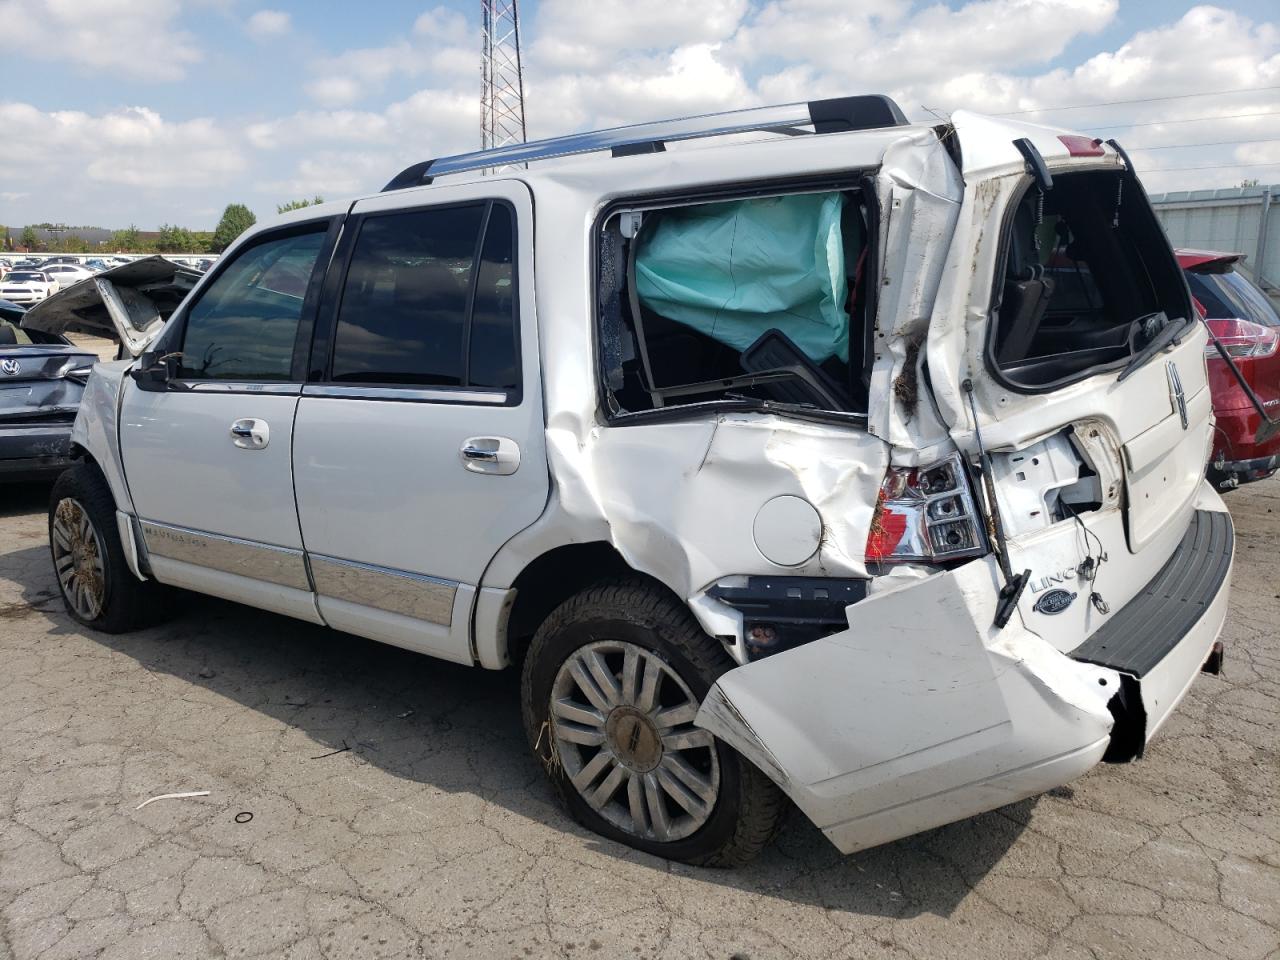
419 444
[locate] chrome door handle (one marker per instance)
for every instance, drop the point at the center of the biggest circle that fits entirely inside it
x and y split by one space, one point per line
250 434
495 455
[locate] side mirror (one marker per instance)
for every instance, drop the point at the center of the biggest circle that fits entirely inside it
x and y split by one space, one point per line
154 373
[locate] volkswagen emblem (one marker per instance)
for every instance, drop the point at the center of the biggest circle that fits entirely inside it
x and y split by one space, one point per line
11 367
1055 601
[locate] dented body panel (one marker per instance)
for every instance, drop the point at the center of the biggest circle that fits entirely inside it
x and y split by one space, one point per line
923 713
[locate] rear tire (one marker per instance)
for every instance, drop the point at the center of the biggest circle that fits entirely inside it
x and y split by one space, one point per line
97 586
610 685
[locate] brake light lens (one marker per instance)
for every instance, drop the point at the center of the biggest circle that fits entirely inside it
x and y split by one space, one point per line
1243 339
926 514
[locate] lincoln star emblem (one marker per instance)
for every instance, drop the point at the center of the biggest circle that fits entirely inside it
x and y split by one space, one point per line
11 367
1055 601
1175 392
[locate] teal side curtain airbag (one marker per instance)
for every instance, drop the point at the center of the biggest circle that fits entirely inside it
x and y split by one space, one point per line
735 270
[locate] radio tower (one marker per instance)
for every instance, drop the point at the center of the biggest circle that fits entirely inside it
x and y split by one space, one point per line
502 87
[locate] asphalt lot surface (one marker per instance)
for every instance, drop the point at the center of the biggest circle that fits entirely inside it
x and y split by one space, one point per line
432 833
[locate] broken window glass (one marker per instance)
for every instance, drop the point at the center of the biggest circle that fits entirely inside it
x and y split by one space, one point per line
749 300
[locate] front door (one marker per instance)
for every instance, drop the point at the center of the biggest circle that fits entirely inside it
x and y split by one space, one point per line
207 455
418 446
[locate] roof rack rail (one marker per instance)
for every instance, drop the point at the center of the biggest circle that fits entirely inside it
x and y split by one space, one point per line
865 112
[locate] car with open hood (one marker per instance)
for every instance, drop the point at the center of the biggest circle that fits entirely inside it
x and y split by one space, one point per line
1246 384
798 452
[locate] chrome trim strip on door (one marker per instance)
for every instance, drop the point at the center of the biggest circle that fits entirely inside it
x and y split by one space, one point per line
237 386
420 395
395 591
245 558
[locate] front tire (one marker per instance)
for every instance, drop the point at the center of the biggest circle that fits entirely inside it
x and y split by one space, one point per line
98 588
610 687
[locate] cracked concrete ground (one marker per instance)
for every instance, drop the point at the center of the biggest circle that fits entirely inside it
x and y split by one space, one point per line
434 834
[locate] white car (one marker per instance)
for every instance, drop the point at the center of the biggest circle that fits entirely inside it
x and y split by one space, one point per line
27 286
65 274
854 460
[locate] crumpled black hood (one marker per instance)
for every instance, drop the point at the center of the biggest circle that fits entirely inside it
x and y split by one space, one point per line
129 303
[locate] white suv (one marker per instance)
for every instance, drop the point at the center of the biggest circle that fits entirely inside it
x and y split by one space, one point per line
797 451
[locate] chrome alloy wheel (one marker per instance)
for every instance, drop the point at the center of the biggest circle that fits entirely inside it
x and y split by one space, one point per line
77 557
622 722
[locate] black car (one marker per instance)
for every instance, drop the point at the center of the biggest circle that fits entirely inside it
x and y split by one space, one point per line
41 378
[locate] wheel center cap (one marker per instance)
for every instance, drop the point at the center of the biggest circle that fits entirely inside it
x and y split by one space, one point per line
633 739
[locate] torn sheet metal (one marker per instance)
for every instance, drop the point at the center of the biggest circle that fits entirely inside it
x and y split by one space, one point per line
919 191
695 520
129 303
919 714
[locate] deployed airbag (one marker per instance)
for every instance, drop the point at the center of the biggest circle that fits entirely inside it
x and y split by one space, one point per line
735 270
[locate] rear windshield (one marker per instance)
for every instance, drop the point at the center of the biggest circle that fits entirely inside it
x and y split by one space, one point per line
22 277
1088 281
1229 296
757 301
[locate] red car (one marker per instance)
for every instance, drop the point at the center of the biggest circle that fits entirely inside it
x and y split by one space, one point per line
1247 324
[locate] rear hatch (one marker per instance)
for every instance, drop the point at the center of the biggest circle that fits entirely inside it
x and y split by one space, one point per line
1063 333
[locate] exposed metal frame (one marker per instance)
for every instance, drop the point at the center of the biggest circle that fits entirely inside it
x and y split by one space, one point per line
866 112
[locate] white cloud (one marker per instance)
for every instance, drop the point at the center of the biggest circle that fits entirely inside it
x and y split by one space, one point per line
133 146
440 45
267 24
378 108
135 38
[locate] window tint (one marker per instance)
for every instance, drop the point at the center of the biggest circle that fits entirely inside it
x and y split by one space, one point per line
405 303
493 322
244 325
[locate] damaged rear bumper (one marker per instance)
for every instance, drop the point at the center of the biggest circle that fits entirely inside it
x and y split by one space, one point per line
921 713
28 451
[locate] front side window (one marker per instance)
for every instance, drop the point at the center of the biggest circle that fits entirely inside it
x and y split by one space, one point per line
429 300
245 323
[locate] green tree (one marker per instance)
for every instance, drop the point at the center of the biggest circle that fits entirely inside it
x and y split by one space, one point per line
127 240
175 239
236 219
73 243
28 238
299 204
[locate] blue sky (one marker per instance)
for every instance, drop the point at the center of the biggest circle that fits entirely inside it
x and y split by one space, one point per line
164 110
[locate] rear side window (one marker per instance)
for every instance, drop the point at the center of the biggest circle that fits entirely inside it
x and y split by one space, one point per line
429 300
244 325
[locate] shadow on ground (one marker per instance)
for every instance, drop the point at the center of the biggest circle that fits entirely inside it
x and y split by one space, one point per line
423 720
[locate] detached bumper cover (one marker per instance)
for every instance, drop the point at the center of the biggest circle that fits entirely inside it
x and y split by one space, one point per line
921 713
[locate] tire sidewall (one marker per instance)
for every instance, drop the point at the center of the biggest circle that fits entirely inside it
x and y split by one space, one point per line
559 638
74 483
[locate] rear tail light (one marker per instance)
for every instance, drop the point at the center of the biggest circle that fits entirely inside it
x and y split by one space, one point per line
1243 338
926 514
